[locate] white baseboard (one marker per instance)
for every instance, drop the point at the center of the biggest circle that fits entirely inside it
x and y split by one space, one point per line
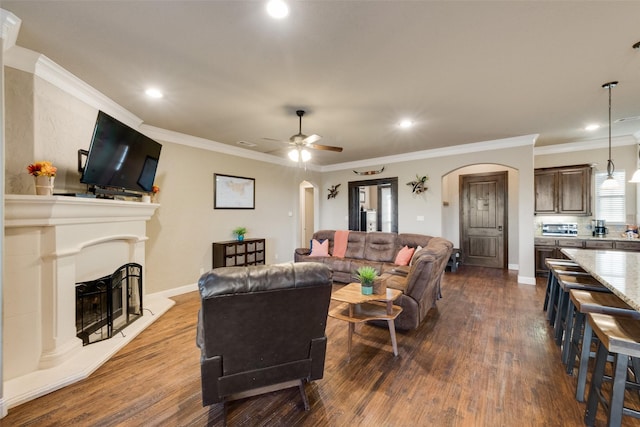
525 280
3 408
175 291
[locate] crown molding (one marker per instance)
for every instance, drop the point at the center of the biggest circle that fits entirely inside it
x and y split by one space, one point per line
39 65
10 29
592 144
218 147
497 144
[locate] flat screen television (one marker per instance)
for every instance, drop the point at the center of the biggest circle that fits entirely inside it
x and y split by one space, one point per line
120 158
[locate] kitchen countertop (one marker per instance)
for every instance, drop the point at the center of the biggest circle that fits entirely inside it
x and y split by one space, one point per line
617 270
587 237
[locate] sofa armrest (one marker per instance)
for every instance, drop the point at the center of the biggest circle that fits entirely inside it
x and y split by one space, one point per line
299 253
401 270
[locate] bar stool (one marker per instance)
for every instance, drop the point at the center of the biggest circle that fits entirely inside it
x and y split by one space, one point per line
620 337
578 337
552 262
554 288
566 283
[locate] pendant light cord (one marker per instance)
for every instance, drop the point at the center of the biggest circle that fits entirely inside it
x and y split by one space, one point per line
610 166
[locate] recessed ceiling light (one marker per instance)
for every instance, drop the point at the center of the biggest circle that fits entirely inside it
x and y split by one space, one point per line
406 123
277 9
154 93
592 127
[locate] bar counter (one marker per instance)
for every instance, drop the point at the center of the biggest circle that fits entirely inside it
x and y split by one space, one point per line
617 270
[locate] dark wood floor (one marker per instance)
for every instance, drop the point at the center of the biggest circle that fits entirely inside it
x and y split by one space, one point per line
484 357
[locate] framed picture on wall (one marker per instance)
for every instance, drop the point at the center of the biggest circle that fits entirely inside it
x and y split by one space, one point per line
363 196
233 192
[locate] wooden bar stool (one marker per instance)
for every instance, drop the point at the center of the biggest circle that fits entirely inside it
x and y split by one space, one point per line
554 288
578 337
565 284
620 337
555 263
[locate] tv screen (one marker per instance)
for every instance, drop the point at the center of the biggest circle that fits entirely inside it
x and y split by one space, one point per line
120 157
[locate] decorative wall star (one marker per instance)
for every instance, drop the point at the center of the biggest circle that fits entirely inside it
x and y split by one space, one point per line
333 191
419 184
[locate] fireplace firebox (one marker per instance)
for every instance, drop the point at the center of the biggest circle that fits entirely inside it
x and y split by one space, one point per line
107 305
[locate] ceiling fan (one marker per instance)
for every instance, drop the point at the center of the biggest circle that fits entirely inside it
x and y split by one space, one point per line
301 142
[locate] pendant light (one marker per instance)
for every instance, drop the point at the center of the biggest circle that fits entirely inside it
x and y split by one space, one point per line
610 183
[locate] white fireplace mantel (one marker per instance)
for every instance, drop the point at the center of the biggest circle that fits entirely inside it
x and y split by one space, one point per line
51 243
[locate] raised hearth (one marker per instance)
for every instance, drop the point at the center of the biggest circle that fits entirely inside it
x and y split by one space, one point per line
52 243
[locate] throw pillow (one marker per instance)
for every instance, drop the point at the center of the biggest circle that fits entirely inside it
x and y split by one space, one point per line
415 255
319 248
404 256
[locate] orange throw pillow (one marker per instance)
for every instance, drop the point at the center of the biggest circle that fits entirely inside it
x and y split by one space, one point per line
340 239
404 256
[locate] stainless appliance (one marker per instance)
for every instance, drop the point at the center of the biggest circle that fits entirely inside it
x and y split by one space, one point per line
562 230
599 229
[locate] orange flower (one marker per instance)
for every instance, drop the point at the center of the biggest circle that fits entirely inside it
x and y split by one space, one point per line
42 168
155 189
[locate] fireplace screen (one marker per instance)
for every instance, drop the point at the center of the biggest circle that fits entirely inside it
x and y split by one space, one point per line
107 305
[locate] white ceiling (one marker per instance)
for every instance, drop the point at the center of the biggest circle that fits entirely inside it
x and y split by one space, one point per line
463 71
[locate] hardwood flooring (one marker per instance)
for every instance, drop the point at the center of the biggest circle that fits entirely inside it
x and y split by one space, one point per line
484 357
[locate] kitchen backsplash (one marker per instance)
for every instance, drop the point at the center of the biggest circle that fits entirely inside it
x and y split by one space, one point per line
584 224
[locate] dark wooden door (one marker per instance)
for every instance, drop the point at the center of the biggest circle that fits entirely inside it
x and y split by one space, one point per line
483 213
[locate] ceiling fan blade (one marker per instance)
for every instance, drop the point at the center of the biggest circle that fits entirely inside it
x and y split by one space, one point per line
325 147
312 138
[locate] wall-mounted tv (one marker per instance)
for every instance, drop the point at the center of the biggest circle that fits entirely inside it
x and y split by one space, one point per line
120 158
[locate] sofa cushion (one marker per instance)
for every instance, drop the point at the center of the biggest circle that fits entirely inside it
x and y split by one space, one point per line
356 245
381 246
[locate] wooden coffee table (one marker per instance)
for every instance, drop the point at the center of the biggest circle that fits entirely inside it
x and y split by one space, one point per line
358 308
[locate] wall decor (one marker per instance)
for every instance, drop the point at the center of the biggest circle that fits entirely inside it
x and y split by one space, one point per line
333 191
419 185
233 192
369 172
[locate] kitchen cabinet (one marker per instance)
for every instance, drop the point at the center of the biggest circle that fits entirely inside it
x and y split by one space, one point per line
563 191
236 253
548 247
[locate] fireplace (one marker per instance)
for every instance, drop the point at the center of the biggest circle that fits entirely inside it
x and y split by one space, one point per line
107 305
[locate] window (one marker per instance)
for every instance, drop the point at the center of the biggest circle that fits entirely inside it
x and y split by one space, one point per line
610 203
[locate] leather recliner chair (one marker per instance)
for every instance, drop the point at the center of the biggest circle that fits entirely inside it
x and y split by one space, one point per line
262 328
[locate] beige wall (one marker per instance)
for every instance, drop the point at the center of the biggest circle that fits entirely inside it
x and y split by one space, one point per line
334 215
47 123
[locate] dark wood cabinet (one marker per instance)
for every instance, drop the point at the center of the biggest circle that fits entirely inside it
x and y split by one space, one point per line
235 253
547 247
564 190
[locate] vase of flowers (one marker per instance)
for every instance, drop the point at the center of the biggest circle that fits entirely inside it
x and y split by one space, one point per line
44 173
154 193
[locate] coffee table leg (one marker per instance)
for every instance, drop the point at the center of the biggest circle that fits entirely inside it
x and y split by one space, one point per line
351 328
392 332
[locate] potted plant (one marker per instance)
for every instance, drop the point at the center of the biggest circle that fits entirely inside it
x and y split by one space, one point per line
367 275
240 232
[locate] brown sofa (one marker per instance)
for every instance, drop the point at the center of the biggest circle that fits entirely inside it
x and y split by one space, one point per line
420 282
262 328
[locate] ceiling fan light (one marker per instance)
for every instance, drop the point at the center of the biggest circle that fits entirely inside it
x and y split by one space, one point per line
306 155
293 155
